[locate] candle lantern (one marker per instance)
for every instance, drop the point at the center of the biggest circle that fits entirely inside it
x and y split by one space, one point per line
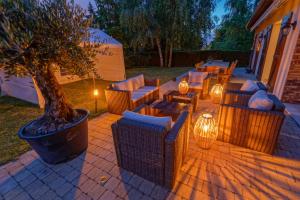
216 93
183 87
205 131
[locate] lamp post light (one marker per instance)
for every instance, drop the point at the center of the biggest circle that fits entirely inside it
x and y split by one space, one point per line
96 94
183 87
205 131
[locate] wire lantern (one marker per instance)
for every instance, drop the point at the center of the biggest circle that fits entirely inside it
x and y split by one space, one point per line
205 131
183 87
216 93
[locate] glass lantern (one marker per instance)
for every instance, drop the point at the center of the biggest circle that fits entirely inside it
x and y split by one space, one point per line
183 87
216 93
205 131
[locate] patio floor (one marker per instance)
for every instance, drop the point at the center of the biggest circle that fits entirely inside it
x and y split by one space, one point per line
223 172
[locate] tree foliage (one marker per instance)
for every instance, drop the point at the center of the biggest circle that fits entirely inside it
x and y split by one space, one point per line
167 24
232 33
37 37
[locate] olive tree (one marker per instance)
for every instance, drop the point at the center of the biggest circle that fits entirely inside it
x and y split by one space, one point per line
37 38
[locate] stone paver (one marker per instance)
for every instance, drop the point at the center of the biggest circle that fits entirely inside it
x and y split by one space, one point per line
223 172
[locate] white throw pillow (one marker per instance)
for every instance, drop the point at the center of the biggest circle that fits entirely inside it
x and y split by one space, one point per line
124 85
260 100
249 86
161 121
197 77
138 82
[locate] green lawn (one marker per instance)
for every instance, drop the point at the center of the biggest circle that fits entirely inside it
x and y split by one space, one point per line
14 113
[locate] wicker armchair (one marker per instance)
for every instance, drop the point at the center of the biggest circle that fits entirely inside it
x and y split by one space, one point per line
224 77
247 127
120 100
204 90
151 151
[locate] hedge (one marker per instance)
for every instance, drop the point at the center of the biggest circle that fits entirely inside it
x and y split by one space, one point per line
188 58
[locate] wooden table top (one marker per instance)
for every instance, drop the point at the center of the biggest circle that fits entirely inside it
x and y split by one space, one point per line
176 94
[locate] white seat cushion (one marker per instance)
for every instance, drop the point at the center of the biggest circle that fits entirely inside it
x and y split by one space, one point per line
140 93
197 77
136 95
249 86
260 100
160 121
196 85
124 85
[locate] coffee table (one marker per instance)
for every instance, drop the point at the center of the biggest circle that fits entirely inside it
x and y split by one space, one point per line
189 98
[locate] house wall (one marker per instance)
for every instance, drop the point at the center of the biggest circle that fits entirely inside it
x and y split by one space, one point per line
271 51
291 92
278 14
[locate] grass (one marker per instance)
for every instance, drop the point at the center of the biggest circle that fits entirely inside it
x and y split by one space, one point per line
15 113
163 73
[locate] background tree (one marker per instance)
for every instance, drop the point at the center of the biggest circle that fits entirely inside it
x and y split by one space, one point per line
232 33
37 37
106 16
168 24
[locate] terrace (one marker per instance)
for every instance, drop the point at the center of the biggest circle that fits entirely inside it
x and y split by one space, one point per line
225 171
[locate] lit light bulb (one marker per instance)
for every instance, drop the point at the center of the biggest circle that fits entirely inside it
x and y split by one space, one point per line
96 93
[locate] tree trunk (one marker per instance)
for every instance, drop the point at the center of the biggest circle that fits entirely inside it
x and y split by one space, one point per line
166 54
170 55
161 59
57 108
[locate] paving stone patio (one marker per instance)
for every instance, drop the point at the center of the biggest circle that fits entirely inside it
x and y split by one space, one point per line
223 172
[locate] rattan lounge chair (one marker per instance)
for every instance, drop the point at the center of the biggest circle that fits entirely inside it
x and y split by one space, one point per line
151 151
201 88
247 127
224 77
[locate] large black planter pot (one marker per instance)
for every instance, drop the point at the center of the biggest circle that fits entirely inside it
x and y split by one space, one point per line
61 145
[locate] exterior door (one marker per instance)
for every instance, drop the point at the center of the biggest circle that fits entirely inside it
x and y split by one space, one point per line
278 52
266 38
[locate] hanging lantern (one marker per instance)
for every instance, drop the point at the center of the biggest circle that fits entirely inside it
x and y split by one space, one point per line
205 131
216 93
183 87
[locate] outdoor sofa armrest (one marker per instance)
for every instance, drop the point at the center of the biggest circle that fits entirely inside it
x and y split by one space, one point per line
117 100
174 148
235 98
152 82
232 86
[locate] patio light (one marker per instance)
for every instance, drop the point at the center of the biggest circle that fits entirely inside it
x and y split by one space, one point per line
96 94
216 93
183 87
205 131
288 27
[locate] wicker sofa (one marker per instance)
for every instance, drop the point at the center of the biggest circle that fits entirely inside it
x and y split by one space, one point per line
151 151
129 94
247 127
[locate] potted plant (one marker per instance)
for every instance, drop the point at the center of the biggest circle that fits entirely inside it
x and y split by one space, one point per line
37 38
